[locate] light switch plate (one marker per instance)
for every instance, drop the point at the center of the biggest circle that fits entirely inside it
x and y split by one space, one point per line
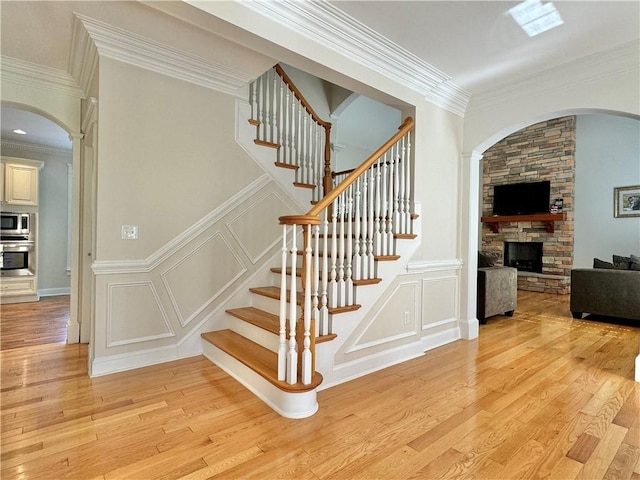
129 232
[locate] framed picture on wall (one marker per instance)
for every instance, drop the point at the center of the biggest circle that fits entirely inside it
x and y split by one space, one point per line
626 201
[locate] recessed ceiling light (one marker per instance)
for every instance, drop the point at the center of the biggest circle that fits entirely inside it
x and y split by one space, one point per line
534 17
19 131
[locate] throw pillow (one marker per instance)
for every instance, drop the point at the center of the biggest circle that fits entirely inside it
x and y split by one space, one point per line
486 260
635 263
621 263
597 263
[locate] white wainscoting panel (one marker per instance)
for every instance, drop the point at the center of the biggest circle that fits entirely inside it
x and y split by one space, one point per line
135 314
256 226
440 301
216 266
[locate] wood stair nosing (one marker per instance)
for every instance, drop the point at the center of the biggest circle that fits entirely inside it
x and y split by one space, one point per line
405 236
264 143
259 359
386 258
309 186
286 165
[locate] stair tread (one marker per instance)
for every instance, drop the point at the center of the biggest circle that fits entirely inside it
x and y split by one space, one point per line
386 258
274 292
265 320
259 359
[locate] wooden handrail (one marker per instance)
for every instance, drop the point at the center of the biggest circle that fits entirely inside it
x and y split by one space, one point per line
328 199
285 78
327 182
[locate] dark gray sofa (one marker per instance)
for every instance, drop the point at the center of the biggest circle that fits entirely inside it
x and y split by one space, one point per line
613 293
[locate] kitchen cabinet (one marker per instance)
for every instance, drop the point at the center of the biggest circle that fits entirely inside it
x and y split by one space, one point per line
14 290
21 183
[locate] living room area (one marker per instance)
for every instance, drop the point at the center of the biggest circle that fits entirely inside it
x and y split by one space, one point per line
585 244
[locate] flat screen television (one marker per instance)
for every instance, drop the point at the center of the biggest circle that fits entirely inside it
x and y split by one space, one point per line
521 198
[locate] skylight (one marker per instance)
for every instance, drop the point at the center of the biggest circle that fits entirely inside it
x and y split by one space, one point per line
534 17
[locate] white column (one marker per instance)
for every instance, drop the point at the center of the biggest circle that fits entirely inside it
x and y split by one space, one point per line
470 188
73 326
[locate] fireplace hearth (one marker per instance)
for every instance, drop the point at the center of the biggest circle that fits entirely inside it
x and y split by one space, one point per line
525 256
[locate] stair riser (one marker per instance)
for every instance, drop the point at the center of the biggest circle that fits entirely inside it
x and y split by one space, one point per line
271 305
289 405
255 334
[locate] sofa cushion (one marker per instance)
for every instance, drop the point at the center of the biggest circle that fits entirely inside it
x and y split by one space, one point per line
597 263
487 259
635 263
621 263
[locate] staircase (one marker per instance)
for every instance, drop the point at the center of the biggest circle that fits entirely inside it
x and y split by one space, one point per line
355 222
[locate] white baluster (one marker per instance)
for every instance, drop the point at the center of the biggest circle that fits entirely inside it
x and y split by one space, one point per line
282 345
315 314
293 132
390 204
384 233
306 342
324 309
274 109
349 244
254 100
292 355
267 108
407 194
377 214
396 190
260 101
286 148
402 227
334 256
281 114
341 252
357 258
370 223
364 224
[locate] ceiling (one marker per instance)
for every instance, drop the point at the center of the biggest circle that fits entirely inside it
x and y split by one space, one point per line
476 43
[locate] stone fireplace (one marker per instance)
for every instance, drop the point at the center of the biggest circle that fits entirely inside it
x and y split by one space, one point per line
544 151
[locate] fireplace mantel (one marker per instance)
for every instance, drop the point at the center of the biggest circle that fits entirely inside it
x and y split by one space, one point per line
548 219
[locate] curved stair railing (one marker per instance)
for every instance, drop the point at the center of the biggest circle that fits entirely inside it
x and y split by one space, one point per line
336 245
284 120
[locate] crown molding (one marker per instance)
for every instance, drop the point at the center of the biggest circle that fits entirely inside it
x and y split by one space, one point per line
83 56
582 71
323 23
35 149
133 49
24 73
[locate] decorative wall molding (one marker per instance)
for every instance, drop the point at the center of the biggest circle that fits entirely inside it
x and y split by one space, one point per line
128 361
582 71
434 266
38 76
114 267
167 282
111 287
30 148
329 26
133 49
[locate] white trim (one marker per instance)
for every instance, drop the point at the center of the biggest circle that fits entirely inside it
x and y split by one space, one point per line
329 26
439 323
114 267
83 56
133 49
38 76
156 297
30 148
423 266
54 292
441 338
184 322
131 360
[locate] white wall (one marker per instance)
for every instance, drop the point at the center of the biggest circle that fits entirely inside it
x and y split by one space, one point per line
607 156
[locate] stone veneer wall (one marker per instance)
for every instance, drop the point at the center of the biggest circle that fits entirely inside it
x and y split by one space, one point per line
544 151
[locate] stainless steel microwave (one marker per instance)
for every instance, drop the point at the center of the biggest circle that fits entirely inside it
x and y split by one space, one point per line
15 224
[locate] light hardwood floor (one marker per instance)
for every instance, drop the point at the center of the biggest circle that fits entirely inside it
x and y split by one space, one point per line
538 395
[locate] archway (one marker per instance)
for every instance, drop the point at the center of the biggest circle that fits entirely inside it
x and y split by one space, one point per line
471 204
74 201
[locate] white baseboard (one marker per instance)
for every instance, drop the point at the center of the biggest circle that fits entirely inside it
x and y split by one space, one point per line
129 361
54 292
